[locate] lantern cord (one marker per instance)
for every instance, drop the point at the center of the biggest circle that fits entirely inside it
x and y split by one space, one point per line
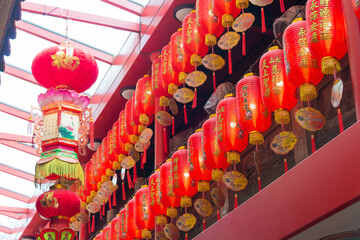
285 165
135 174
263 25
313 147
204 224
243 44
282 6
341 125
218 214
186 236
165 140
123 191
214 81
185 115
236 202
114 198
259 183
195 99
173 125
110 205
93 223
131 185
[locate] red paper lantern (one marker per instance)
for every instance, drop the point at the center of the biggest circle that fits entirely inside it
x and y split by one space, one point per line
326 33
168 74
159 87
277 92
209 20
197 168
254 116
107 232
99 236
115 228
180 61
302 67
110 152
214 158
118 145
356 5
132 230
231 138
144 218
144 100
123 225
167 195
131 126
58 202
193 42
97 169
65 66
184 186
90 183
104 158
156 207
230 11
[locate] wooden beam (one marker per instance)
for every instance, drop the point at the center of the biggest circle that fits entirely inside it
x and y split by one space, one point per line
5 230
14 209
80 16
19 146
14 111
14 195
16 138
16 172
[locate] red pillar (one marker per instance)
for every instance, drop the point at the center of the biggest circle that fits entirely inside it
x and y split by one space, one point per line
352 24
160 152
84 228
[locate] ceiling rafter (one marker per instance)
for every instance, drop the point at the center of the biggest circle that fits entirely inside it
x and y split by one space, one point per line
16 172
14 209
15 137
15 112
58 38
80 16
16 216
5 230
21 147
14 195
126 5
19 73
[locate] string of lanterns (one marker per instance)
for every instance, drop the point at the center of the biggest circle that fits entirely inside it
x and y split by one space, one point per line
311 49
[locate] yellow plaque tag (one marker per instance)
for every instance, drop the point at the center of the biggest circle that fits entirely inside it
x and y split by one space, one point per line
213 62
173 106
186 222
218 197
229 40
184 95
146 135
195 79
203 207
128 163
283 143
310 119
164 118
235 181
171 231
141 146
134 154
243 22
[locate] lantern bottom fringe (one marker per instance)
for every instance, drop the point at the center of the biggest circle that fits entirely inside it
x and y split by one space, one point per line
233 157
161 220
328 64
308 92
282 116
217 175
171 212
185 202
340 119
256 138
57 168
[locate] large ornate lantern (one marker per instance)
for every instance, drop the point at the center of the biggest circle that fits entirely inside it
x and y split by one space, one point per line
167 195
168 74
156 207
144 218
144 100
232 140
199 173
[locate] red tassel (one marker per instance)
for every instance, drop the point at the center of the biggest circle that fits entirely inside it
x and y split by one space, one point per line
77 236
285 165
186 236
173 126
341 125
185 115
195 99
230 62
236 202
218 214
131 185
244 44
143 162
114 198
92 146
282 6
259 184
313 147
204 224
165 140
134 174
101 211
263 25
214 81
93 224
110 205
59 115
89 225
123 191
